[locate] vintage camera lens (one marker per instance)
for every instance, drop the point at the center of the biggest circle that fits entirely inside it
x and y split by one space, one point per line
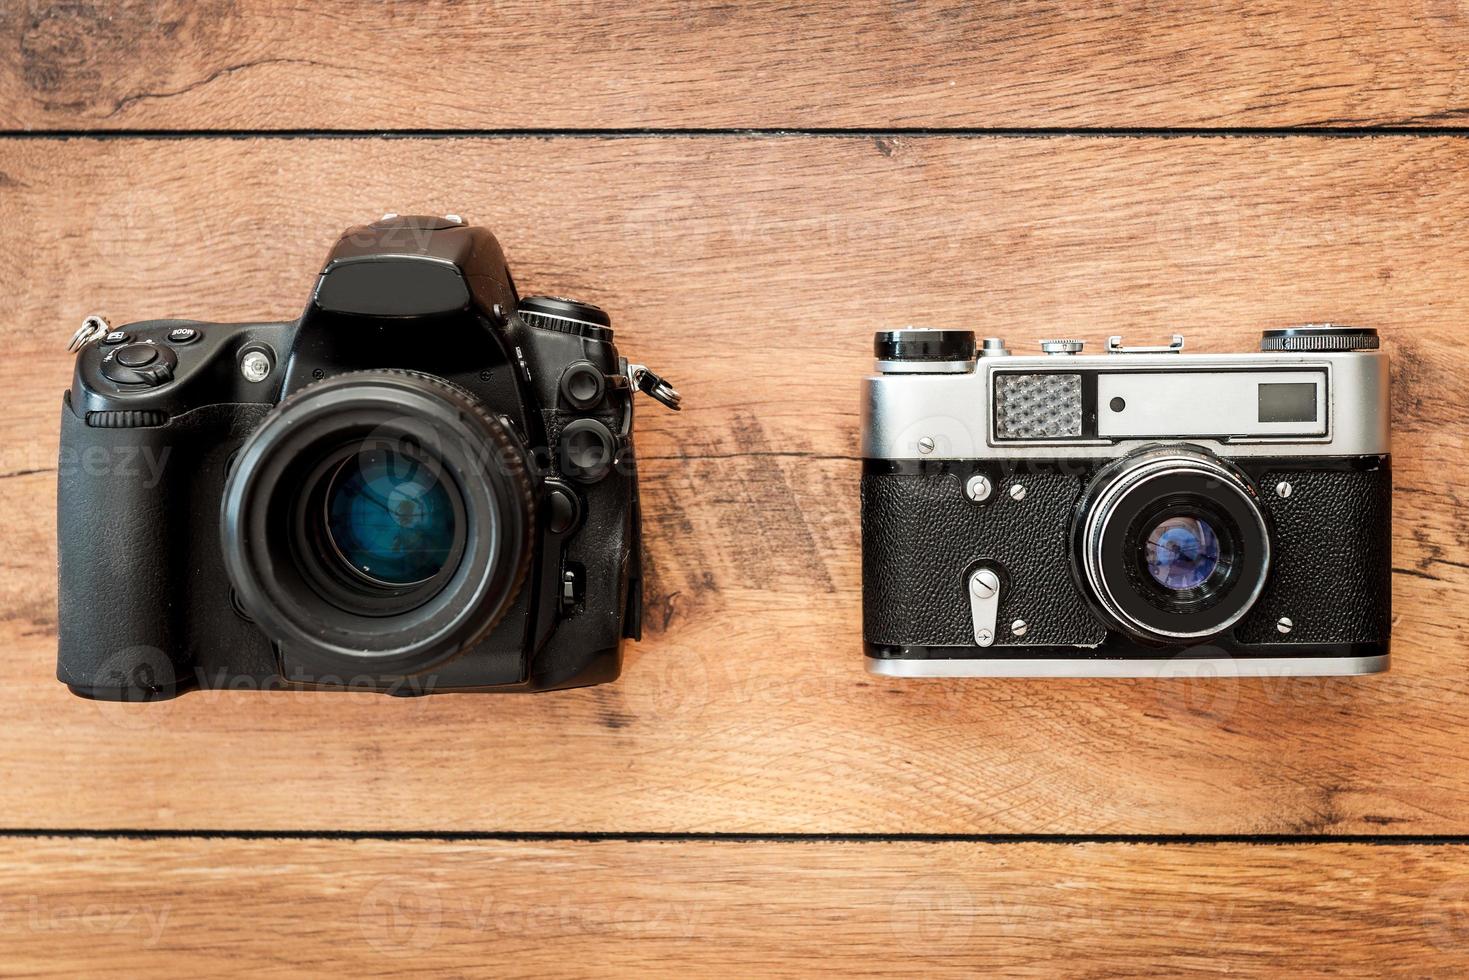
378 523
1182 553
389 517
1172 544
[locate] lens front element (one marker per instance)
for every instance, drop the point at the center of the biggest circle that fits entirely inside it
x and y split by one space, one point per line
389 518
1182 553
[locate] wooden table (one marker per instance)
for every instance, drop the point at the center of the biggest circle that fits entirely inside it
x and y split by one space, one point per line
752 190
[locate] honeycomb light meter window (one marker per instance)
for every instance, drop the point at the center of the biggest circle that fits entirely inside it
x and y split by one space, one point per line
1037 406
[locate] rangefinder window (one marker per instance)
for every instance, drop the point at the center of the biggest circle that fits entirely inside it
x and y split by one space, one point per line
1293 402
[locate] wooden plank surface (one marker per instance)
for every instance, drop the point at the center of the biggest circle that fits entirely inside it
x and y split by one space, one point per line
376 908
752 271
509 837
499 64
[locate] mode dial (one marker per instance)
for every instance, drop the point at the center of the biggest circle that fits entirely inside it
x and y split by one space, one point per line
1319 337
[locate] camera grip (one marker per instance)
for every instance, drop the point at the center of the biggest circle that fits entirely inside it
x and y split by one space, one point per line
116 614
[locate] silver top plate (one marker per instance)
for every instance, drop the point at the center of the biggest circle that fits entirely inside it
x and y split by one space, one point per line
904 413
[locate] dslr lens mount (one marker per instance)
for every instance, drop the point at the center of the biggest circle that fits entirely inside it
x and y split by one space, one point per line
378 522
1171 544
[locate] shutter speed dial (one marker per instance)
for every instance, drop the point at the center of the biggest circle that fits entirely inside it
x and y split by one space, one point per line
924 344
1320 338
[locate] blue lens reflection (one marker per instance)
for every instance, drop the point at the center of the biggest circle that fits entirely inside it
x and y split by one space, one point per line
390 517
1182 552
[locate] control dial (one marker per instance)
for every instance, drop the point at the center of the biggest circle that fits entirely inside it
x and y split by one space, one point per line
566 316
1320 337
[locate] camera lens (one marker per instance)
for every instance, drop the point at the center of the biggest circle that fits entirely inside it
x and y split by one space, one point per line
389 518
378 523
1182 553
1172 544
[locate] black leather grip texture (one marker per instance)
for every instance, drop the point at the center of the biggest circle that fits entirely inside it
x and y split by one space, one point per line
921 536
143 601
115 524
1331 572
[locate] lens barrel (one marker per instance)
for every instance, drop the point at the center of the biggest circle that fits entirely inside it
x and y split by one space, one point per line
378 523
1171 544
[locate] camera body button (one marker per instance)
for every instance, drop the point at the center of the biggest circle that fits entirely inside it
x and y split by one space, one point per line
136 355
143 363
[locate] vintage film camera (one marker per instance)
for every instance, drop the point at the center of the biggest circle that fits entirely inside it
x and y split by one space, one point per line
1137 512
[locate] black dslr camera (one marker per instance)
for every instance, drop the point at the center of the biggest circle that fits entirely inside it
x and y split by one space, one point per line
1138 512
424 483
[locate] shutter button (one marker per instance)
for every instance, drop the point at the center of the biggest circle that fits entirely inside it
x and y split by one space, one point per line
140 364
136 355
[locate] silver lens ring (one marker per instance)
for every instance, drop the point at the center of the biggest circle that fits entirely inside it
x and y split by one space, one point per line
1113 505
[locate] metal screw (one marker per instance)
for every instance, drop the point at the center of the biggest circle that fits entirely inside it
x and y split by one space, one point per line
925 445
1284 624
1017 492
1284 489
255 366
978 488
1019 628
984 584
984 637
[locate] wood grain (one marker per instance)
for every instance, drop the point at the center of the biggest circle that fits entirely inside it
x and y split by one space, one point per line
753 271
367 907
502 64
